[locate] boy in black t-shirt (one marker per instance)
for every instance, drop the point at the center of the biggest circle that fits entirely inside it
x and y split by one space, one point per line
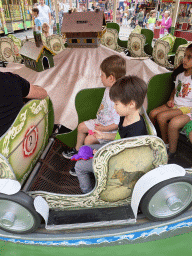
128 94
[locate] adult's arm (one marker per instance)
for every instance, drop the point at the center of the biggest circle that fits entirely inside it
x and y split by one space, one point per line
36 92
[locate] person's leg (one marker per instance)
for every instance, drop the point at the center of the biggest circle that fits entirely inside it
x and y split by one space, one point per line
163 118
82 131
188 128
90 139
83 170
190 136
174 126
81 135
153 114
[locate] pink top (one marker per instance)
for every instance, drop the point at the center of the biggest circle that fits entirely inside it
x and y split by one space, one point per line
167 25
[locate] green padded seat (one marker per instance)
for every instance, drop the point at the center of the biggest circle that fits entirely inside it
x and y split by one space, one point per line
116 26
140 42
159 90
149 38
165 49
87 103
178 41
113 26
170 39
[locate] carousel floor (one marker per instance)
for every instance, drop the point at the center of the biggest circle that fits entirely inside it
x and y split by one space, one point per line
54 175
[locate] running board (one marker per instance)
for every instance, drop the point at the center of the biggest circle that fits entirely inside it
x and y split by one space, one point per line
89 218
91 224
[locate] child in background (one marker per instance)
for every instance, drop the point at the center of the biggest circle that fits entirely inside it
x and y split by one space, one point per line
174 115
152 20
140 17
37 21
121 12
128 95
112 68
125 17
146 20
45 29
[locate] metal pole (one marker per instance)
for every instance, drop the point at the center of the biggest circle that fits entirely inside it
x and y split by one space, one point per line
157 5
177 3
114 10
57 17
2 10
135 9
70 3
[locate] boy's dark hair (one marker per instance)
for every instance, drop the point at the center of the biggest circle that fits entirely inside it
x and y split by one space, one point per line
35 10
129 88
114 65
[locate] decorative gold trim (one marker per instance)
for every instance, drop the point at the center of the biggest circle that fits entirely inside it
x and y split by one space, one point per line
42 52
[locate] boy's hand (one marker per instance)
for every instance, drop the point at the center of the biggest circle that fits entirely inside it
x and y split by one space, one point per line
98 135
100 127
170 103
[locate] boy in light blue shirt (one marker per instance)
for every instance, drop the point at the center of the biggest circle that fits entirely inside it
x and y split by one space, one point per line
37 21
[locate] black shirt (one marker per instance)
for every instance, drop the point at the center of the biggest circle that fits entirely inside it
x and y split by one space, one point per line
12 90
136 129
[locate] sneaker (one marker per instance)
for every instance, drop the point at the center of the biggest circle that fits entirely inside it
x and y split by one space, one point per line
69 153
171 155
72 172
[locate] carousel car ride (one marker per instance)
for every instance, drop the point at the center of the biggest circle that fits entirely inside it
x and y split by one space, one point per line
129 174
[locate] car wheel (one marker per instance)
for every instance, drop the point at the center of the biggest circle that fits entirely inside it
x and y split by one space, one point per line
167 199
17 213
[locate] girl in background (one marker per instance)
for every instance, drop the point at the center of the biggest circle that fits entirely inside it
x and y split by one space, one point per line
152 20
45 29
176 113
